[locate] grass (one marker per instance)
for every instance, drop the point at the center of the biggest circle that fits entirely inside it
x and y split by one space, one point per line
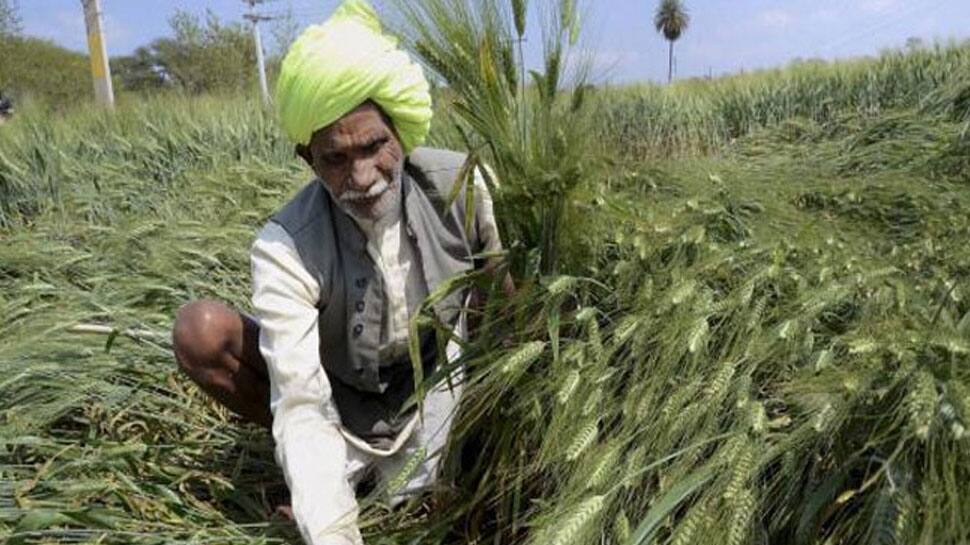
767 343
704 116
120 230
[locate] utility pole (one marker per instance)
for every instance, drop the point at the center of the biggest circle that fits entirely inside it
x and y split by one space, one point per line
100 69
255 18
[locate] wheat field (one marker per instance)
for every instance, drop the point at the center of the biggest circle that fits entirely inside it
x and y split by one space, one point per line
747 324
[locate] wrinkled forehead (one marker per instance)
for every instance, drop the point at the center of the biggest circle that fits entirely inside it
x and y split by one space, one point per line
359 127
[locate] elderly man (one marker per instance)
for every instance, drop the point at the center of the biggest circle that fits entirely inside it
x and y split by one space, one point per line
338 272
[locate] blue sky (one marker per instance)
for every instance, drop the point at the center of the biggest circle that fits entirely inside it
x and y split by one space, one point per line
724 36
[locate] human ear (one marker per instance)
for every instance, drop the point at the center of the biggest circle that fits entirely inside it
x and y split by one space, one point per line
304 153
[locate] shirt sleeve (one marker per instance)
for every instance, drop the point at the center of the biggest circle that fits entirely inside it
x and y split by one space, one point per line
485 225
309 447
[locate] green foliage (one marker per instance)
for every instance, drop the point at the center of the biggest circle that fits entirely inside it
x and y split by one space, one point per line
671 19
206 57
519 12
708 116
201 57
34 69
764 345
118 219
538 145
142 71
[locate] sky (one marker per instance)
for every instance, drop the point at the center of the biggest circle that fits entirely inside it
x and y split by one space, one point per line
725 36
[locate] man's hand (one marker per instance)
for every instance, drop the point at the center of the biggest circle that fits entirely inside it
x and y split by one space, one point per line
284 512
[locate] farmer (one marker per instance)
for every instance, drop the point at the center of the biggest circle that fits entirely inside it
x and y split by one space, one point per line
337 273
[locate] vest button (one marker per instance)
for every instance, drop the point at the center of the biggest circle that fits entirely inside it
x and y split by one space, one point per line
358 329
359 306
361 283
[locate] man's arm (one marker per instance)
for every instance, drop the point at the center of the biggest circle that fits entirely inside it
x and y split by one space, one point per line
309 447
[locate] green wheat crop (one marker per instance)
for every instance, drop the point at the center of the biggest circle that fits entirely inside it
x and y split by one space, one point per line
763 338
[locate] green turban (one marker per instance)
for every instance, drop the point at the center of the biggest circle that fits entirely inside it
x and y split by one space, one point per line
336 66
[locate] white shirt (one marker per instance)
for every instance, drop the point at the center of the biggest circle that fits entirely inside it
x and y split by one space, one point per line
311 445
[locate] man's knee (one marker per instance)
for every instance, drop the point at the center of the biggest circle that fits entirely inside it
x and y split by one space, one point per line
202 334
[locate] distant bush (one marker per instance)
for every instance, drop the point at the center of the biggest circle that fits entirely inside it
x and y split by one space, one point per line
199 57
31 68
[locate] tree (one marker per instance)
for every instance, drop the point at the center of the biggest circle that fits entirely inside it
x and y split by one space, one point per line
199 57
139 71
914 43
205 57
38 70
285 30
10 23
671 19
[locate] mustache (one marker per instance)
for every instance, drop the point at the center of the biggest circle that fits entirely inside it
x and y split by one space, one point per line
374 190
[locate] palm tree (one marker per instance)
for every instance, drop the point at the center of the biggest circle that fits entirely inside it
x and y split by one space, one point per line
672 19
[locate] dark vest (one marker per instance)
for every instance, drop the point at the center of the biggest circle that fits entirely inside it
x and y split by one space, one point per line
369 394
